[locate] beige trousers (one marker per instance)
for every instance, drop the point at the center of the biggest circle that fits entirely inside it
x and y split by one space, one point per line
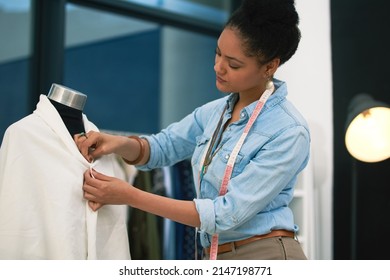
274 248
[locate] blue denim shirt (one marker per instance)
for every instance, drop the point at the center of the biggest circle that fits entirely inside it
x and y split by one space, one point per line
265 172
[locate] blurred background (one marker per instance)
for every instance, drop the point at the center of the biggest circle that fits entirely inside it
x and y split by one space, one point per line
146 64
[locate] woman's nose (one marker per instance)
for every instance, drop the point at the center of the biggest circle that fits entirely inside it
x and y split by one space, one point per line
218 67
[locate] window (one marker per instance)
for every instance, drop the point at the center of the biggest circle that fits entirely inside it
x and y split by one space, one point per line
14 60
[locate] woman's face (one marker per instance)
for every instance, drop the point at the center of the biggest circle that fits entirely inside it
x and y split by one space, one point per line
236 72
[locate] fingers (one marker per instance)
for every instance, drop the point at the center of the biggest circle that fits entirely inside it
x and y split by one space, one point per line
104 189
95 205
92 173
89 196
93 186
89 186
86 143
92 179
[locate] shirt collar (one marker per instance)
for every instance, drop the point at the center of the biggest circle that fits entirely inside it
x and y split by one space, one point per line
277 96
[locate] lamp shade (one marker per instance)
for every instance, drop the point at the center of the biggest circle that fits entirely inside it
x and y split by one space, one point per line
367 135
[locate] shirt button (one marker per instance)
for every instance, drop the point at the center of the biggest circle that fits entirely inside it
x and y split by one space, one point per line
242 115
227 156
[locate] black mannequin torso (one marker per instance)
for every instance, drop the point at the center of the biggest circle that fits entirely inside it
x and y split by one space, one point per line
72 118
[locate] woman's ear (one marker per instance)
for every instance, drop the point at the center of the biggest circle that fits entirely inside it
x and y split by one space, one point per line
272 66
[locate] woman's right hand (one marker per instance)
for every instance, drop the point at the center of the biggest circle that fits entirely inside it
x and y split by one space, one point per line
93 145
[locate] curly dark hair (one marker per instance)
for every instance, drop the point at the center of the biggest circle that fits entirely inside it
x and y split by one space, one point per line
269 28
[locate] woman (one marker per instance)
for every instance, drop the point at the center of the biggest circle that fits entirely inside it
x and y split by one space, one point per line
243 189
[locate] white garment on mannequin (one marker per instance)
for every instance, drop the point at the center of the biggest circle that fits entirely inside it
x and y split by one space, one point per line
43 214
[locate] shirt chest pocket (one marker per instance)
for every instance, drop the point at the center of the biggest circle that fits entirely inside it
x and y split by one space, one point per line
220 161
217 166
201 144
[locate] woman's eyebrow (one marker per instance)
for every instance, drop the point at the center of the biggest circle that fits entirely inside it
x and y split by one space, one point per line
233 58
230 57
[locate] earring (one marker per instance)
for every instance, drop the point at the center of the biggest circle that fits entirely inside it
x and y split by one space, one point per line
269 84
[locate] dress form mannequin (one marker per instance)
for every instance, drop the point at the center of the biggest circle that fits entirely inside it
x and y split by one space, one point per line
69 104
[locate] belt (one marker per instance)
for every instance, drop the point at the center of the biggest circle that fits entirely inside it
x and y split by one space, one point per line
228 247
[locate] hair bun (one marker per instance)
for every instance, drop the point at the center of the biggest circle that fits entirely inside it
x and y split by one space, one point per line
268 28
277 11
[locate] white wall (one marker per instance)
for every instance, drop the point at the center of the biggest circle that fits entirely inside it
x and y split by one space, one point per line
309 80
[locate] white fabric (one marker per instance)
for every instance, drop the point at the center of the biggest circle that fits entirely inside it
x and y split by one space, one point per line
43 214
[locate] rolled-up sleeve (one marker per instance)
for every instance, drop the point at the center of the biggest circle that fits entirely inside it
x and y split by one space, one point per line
205 208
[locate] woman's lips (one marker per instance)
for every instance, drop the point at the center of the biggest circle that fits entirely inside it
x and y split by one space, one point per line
219 79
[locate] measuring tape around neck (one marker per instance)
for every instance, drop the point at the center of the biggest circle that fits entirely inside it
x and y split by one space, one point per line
230 164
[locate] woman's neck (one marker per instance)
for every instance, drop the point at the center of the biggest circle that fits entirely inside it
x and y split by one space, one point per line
248 97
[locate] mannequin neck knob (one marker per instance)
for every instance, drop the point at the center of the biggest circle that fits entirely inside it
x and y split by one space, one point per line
67 96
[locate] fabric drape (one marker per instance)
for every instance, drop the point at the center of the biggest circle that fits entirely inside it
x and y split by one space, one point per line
42 211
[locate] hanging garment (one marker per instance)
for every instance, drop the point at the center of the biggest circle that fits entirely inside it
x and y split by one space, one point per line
143 227
169 233
43 214
184 189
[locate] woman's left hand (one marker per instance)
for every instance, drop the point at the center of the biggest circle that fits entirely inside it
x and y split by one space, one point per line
100 189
